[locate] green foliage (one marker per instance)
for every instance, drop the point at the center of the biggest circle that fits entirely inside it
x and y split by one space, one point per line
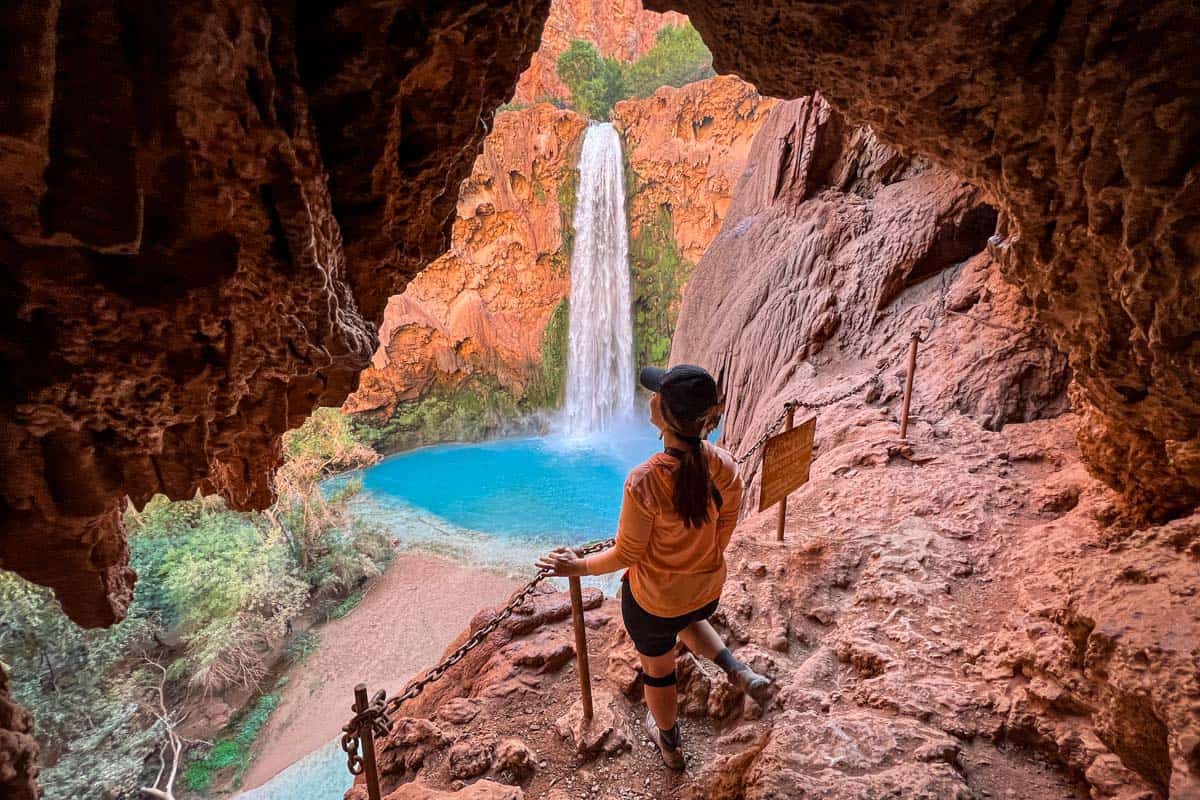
546 391
678 57
474 412
346 606
80 687
659 274
231 752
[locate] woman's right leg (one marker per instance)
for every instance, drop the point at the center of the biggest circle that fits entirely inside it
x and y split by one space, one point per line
702 639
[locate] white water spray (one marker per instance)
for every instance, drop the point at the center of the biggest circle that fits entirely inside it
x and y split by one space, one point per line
600 380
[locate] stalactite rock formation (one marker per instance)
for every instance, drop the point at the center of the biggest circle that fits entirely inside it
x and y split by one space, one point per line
1080 122
204 212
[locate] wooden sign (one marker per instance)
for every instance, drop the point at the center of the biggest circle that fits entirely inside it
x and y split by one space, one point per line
786 461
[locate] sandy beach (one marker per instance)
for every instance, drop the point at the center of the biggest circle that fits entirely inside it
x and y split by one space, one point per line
403 624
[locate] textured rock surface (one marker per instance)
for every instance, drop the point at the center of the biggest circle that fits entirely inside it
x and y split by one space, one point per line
1080 121
836 249
620 29
482 307
18 750
203 211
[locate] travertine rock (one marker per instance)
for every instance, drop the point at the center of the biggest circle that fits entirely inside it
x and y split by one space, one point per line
204 210
835 250
18 750
687 147
1080 122
620 29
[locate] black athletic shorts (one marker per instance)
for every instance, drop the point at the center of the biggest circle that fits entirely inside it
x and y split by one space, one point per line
655 636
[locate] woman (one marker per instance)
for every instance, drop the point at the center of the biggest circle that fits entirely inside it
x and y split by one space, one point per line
679 511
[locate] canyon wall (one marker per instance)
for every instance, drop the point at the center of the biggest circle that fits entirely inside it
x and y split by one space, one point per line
620 29
479 338
1080 122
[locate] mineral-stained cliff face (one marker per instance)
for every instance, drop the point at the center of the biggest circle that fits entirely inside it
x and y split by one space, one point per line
1080 121
620 29
480 334
476 319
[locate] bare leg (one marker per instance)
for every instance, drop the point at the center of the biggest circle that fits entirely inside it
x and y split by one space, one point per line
662 700
702 639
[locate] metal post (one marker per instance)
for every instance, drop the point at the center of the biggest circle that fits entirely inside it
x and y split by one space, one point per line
367 736
908 383
790 411
581 652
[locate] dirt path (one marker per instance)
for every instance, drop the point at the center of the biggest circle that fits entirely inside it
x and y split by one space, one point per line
403 625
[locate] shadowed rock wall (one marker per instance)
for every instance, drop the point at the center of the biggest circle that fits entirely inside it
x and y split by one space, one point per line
1081 122
204 210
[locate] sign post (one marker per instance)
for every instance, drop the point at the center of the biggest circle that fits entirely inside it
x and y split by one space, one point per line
908 383
581 653
787 458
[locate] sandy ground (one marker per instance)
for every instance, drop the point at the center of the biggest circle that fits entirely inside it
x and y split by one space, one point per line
407 619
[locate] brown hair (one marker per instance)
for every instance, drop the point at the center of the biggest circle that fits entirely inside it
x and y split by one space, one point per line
693 481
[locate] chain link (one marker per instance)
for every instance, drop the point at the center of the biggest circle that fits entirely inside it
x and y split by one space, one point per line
378 712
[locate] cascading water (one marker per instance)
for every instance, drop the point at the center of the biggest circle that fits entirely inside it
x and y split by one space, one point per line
600 380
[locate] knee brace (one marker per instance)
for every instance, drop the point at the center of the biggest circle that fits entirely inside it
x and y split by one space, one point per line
662 681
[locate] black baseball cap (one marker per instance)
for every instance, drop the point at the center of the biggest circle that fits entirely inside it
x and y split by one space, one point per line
689 391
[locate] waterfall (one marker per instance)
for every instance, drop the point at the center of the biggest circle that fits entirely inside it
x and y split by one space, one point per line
600 380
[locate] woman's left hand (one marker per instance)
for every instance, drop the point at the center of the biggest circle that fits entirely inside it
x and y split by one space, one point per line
562 561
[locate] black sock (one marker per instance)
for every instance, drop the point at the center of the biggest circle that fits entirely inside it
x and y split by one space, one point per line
728 662
670 738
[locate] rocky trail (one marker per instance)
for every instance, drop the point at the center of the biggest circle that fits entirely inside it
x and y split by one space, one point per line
870 619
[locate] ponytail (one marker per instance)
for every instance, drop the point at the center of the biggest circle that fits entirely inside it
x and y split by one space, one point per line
693 484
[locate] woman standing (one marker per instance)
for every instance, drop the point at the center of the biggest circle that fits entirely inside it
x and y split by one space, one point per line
679 511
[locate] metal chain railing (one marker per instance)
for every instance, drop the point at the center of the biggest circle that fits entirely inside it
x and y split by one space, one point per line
376 715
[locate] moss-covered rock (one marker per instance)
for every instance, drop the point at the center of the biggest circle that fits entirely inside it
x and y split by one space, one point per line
659 274
546 390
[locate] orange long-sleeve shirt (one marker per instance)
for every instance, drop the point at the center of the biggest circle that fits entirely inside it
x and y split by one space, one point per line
673 569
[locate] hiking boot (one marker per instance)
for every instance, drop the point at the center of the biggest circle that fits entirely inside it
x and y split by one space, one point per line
757 686
671 756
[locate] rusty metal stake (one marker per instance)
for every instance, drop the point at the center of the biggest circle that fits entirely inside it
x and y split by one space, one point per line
581 652
367 736
908 383
790 411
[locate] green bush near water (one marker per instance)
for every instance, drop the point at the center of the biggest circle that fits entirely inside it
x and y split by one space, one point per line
231 752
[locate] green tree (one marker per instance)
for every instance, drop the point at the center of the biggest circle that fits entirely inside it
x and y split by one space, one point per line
679 57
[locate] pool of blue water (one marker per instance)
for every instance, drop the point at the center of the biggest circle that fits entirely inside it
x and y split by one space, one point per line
533 488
